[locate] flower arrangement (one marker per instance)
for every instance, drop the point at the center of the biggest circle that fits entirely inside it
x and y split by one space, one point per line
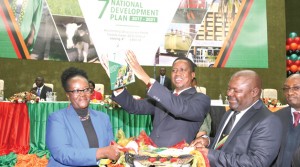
107 101
271 102
111 103
24 97
142 151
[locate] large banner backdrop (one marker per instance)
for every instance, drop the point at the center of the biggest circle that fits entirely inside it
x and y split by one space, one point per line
213 33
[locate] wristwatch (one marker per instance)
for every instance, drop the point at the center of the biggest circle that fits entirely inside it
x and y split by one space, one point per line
206 137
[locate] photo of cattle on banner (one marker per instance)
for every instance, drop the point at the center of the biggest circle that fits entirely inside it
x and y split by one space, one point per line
76 39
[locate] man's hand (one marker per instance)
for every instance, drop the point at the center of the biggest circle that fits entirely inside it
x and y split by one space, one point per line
104 63
200 142
136 67
201 133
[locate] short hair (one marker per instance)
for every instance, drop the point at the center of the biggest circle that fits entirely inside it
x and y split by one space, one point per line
71 73
191 64
92 82
40 77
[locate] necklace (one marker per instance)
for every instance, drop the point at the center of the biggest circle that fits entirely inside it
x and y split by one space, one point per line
85 117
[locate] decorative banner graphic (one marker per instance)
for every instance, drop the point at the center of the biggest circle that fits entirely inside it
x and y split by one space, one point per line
141 23
247 43
212 33
233 35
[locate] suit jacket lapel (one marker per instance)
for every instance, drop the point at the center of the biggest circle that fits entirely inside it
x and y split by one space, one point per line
219 130
245 118
183 94
76 124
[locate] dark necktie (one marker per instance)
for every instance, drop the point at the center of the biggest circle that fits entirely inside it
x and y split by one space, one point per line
226 131
296 118
229 125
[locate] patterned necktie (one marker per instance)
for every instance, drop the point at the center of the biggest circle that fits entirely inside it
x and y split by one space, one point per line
296 118
226 131
229 125
38 92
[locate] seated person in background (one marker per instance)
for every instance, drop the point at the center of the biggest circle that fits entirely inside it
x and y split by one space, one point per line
95 94
194 84
206 126
78 135
163 79
249 134
40 89
177 114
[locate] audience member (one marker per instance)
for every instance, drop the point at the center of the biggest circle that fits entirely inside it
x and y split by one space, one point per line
95 94
163 79
178 114
198 88
78 135
291 130
206 126
41 89
251 135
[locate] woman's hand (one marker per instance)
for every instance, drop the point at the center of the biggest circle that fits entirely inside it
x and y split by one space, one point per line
136 67
111 152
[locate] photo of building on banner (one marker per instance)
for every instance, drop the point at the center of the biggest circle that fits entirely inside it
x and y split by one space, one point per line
212 33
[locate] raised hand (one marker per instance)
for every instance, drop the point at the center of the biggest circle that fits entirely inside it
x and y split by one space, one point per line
136 67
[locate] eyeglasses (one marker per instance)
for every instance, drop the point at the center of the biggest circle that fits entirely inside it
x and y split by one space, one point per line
287 89
85 91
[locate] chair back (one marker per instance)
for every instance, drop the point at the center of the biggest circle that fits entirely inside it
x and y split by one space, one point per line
270 93
100 88
1 84
201 89
47 84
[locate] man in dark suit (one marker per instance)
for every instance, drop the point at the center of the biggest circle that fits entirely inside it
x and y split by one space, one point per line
255 135
41 89
163 79
291 130
177 115
296 158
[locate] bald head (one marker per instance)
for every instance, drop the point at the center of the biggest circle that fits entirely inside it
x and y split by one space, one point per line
293 76
251 77
244 89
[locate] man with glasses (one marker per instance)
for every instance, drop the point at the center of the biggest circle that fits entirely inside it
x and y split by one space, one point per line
290 119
